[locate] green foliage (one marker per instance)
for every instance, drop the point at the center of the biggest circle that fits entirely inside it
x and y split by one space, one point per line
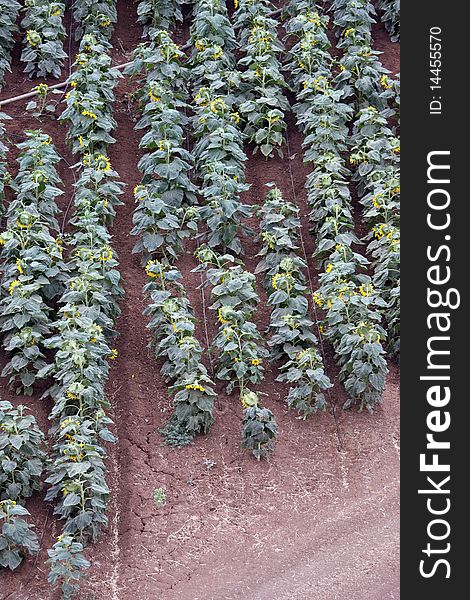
89 112
220 165
9 10
67 565
87 308
159 496
391 17
352 325
165 215
34 272
166 212
211 25
17 537
43 50
97 17
22 455
173 324
292 341
259 426
375 154
4 175
361 73
159 13
22 459
351 304
238 345
262 102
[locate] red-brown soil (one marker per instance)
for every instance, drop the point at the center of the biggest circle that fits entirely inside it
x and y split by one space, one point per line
318 521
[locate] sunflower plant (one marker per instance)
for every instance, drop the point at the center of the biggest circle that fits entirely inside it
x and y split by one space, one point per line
305 374
67 565
22 453
98 189
375 154
352 324
162 61
43 50
87 308
17 537
159 13
34 272
211 22
309 55
360 77
240 350
259 426
353 20
94 16
89 112
220 162
238 344
162 229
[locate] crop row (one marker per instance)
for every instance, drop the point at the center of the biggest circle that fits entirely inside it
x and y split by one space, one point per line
23 457
166 214
33 270
9 10
62 309
87 311
374 156
351 319
29 256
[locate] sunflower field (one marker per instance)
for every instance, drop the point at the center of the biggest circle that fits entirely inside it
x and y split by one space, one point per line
290 283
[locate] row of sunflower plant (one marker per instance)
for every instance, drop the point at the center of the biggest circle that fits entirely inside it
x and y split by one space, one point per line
89 101
238 346
351 320
218 150
173 324
374 158
262 101
33 277
22 460
375 155
220 167
84 330
9 11
166 214
33 270
292 341
43 50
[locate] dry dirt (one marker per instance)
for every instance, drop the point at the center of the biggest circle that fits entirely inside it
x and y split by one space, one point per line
318 521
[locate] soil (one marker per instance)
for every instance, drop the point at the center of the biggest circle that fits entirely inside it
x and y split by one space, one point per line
318 521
